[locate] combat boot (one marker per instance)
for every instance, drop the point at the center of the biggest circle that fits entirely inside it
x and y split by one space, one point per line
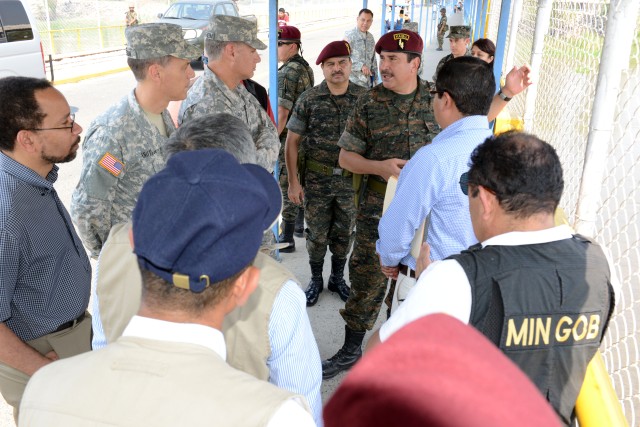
316 284
346 357
336 280
287 236
298 231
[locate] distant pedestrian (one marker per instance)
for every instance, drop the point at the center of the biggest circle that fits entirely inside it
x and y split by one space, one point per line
283 17
131 17
442 27
363 55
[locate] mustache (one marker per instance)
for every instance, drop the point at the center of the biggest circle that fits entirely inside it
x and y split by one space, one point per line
337 73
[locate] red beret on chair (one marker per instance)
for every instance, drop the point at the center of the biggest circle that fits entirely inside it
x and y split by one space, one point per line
437 372
334 49
289 33
400 41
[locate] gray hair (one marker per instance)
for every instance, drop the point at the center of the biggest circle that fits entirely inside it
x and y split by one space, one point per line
214 48
222 131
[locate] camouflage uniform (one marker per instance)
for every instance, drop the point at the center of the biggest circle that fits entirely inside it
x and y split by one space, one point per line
362 53
294 77
131 18
103 196
442 25
210 95
320 118
383 125
444 61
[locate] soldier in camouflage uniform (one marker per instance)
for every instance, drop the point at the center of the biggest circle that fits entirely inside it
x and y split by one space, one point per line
316 124
294 77
363 55
459 38
124 146
387 126
442 27
230 46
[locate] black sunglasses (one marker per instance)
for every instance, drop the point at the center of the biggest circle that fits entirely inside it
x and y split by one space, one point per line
464 183
283 44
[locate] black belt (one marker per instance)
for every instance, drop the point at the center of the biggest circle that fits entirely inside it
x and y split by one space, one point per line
70 323
406 270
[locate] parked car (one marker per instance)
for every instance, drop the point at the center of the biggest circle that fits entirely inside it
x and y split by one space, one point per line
193 16
20 47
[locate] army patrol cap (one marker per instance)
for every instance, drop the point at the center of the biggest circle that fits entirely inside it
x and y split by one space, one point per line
155 40
201 219
334 50
289 33
227 28
459 32
400 41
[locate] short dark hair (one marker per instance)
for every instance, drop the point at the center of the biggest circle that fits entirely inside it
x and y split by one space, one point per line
139 67
523 171
365 10
470 83
222 131
485 45
157 293
20 109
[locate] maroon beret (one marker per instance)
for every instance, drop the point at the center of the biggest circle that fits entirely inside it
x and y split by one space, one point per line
437 372
334 49
289 32
400 41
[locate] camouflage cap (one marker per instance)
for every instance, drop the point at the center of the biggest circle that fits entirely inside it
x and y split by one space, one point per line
227 28
155 40
459 32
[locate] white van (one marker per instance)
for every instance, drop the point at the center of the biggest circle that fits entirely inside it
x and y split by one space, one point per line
20 47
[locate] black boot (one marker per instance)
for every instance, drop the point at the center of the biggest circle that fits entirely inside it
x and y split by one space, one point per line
336 280
287 236
299 230
346 357
316 284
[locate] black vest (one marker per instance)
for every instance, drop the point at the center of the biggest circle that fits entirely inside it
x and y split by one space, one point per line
546 306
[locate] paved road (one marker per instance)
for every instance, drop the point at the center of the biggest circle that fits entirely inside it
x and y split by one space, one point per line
93 96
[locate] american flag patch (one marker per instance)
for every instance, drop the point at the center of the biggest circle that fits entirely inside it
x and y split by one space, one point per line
111 164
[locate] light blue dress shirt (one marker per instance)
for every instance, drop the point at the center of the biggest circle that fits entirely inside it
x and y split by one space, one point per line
429 185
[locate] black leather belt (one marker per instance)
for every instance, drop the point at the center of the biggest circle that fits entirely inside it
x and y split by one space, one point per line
406 271
70 323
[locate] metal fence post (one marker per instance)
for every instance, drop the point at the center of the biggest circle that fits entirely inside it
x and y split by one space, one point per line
516 14
498 59
621 24
543 19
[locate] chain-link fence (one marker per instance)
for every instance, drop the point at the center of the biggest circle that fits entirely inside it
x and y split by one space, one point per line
566 53
69 27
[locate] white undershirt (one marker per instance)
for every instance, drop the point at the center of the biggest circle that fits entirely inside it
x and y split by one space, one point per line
444 287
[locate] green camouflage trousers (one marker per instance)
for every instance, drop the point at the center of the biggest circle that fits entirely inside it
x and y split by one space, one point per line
330 214
289 209
368 284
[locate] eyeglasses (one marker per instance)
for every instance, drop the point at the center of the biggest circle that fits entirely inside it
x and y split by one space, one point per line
72 116
284 44
433 92
464 185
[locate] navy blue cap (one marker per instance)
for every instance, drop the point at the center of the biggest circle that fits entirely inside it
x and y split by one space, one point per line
201 219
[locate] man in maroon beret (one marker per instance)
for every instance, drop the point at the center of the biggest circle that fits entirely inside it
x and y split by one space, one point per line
386 127
319 116
294 77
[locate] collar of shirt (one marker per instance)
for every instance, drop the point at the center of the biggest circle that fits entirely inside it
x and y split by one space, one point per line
382 94
27 174
188 333
234 96
518 238
465 123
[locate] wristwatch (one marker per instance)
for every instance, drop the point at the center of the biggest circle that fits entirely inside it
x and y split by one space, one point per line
503 96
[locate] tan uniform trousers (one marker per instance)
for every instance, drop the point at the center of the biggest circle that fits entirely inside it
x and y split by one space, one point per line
66 343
